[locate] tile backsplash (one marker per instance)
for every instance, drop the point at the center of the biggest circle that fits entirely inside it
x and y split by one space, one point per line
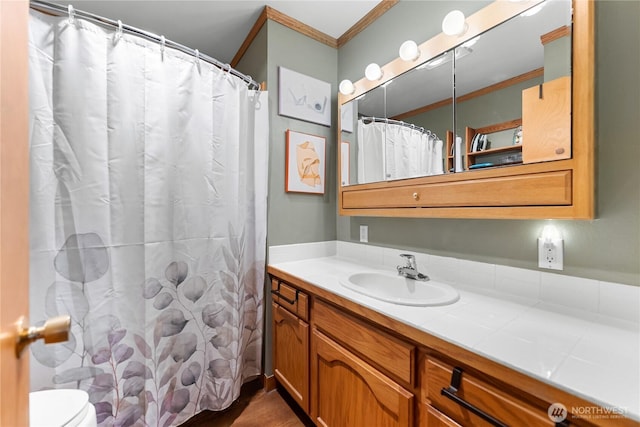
587 296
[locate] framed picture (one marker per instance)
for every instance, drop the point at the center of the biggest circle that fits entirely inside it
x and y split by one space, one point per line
346 117
303 97
305 163
344 163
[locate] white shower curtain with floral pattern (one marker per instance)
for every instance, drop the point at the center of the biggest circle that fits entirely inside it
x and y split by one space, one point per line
148 223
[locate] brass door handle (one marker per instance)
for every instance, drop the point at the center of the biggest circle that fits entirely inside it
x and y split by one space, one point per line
53 331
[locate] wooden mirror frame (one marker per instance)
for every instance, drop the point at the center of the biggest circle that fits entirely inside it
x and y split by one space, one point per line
559 189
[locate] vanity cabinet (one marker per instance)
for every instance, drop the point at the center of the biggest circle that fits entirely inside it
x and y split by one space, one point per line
291 341
347 365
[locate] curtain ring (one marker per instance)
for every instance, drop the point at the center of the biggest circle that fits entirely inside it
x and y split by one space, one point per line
197 54
118 34
72 14
163 41
226 71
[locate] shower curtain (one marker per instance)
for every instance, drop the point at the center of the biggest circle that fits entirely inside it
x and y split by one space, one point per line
389 151
148 223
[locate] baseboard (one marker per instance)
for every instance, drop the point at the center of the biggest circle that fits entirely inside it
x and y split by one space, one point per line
268 382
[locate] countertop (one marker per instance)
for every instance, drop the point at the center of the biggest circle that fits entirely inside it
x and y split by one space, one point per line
589 356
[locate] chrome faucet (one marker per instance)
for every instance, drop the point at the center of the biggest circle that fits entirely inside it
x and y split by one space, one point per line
410 269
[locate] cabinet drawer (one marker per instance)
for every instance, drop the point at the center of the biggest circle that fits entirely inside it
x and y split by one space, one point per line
436 418
391 354
290 298
486 398
539 189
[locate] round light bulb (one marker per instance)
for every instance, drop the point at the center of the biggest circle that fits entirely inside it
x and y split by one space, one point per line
373 72
409 51
347 87
454 24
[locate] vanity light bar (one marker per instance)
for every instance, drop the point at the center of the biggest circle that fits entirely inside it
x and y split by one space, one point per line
410 53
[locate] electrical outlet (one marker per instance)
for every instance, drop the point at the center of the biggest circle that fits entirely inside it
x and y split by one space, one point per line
550 253
364 233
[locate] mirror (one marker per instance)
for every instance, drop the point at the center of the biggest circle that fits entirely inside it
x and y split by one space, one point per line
382 144
491 72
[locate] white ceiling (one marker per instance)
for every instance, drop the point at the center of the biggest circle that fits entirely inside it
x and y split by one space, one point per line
218 27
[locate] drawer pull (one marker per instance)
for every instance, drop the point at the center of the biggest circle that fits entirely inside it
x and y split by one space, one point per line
279 295
450 393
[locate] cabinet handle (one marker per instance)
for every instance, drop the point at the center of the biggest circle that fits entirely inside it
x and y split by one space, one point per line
279 295
450 393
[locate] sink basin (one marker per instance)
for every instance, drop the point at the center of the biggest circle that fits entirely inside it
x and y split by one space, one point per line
400 290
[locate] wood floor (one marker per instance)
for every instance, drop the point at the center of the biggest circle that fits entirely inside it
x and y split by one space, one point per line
255 407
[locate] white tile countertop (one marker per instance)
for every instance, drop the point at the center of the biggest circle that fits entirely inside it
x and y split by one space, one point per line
576 346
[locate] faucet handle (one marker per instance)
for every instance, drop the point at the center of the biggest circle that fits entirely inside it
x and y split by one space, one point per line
411 260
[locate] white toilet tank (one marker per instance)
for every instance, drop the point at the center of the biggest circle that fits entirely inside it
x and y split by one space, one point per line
61 408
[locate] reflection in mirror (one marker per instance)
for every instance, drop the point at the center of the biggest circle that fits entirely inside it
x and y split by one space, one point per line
521 53
492 72
389 147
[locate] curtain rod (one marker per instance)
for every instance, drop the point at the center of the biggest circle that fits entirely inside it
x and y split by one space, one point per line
398 122
59 10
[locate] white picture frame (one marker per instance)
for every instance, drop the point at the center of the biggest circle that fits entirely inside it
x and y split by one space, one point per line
305 163
303 97
346 117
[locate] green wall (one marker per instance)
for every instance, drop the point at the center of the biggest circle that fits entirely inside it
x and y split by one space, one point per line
291 217
607 248
299 218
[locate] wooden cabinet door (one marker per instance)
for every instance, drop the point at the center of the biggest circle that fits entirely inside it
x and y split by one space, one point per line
291 354
546 121
350 393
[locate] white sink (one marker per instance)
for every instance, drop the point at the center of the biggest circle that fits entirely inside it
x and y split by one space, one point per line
400 290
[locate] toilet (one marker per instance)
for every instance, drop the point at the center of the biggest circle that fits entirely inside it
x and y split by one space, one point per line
61 408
